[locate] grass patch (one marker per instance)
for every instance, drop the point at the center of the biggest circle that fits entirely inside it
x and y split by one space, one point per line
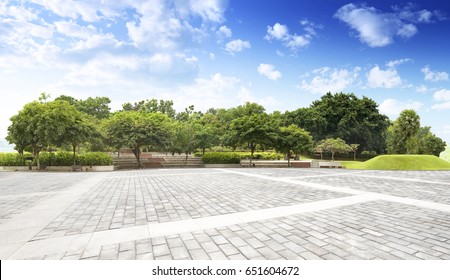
400 162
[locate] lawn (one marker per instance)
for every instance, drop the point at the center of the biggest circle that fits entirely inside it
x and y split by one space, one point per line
400 162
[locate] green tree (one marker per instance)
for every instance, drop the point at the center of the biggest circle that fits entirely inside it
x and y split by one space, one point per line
27 129
408 124
184 138
97 107
335 146
152 106
252 130
354 148
134 129
293 139
429 143
355 120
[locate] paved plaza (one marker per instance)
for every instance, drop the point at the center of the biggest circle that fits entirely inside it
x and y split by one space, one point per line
225 214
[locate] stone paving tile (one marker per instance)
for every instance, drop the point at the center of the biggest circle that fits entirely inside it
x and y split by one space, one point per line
351 245
11 206
19 183
131 200
417 190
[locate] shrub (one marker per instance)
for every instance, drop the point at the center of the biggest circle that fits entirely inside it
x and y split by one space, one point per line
234 157
94 158
66 159
12 159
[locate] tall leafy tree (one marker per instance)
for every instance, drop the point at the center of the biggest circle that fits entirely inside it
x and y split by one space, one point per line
293 139
408 124
134 129
252 130
355 120
97 107
27 129
152 106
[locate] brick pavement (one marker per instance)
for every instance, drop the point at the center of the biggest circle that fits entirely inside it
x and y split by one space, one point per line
226 214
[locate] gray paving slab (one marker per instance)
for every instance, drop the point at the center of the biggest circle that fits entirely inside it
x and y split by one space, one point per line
225 214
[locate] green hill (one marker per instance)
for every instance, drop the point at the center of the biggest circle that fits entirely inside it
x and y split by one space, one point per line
445 155
401 162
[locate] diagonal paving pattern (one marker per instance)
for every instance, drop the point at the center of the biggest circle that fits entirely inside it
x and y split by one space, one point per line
225 214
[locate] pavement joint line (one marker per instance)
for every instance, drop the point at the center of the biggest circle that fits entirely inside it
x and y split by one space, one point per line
301 183
399 179
319 176
47 211
90 241
410 201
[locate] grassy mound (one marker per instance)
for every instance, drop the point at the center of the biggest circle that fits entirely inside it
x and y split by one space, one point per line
445 155
401 162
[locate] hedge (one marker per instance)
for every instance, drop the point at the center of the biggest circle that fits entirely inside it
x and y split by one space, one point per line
56 159
234 157
12 159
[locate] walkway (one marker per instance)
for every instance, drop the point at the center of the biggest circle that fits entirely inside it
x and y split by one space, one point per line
225 214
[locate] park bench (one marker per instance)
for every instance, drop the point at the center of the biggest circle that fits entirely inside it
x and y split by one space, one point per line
330 164
76 167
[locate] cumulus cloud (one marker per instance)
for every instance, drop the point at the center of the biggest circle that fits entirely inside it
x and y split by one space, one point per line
442 96
434 76
388 78
280 32
224 32
269 71
392 107
394 63
326 80
422 89
378 29
237 46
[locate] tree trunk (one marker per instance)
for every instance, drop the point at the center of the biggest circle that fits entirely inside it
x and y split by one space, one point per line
289 159
252 150
36 156
74 153
332 156
137 154
354 156
185 161
203 151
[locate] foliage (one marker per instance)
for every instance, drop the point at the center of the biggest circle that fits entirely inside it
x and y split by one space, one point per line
97 107
134 129
334 146
253 128
152 106
408 126
293 139
94 158
401 162
355 120
234 157
12 159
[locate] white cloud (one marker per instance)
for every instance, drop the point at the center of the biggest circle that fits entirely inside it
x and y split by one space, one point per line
394 63
392 107
434 76
224 32
388 78
442 95
278 32
269 71
422 89
72 29
330 80
237 46
378 29
294 42
211 10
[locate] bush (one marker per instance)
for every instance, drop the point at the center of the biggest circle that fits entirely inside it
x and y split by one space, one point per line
12 159
234 157
94 158
368 154
66 159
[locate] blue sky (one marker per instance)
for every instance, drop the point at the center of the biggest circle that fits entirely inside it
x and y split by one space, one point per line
281 54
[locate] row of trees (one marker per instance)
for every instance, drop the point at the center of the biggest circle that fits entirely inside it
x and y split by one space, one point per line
327 125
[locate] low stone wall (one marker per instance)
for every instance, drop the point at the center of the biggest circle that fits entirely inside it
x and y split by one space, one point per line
222 165
58 168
